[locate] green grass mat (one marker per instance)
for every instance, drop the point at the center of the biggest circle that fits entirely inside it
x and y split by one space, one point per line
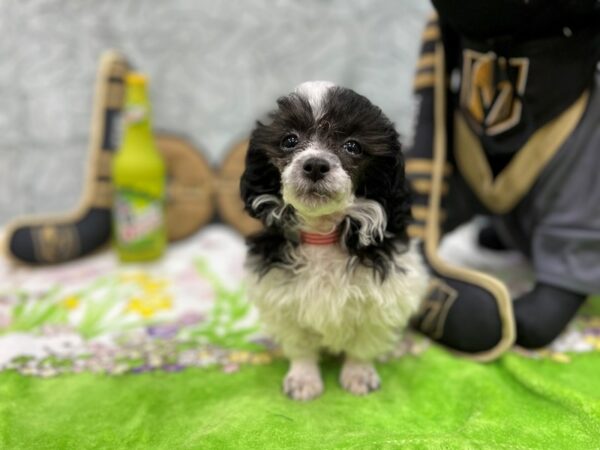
431 401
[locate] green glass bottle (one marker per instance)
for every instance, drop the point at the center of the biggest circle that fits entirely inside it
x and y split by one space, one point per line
139 181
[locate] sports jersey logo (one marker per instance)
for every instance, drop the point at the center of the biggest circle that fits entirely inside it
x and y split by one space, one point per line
491 90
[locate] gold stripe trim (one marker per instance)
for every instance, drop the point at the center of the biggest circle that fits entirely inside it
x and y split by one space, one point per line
103 164
496 288
416 232
115 97
426 61
426 186
420 213
423 80
502 193
431 33
422 165
103 195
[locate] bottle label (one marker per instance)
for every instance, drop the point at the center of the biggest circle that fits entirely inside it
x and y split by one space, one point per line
135 114
138 220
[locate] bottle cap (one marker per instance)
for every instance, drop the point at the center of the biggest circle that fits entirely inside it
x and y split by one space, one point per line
136 78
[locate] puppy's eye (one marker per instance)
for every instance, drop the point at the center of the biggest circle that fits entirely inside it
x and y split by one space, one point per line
353 147
289 142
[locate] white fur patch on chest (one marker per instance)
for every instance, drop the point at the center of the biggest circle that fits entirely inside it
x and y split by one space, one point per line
324 297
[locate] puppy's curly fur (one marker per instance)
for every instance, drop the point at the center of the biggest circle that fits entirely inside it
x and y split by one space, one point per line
330 160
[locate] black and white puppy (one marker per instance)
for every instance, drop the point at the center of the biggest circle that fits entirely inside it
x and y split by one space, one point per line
333 269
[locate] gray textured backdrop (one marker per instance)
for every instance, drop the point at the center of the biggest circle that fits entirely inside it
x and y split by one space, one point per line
215 66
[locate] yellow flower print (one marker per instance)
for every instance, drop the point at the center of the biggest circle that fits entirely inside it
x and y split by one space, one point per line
71 302
153 286
593 341
146 282
152 296
148 306
560 357
261 358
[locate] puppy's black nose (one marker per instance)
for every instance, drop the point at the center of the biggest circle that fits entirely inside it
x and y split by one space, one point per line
315 168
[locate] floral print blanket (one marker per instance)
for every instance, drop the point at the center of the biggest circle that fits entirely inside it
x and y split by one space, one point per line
95 314
188 309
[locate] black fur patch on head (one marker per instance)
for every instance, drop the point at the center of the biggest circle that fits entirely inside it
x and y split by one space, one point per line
390 189
265 159
294 115
377 173
379 177
262 176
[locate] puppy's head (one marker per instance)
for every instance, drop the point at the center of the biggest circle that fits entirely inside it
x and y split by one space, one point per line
325 149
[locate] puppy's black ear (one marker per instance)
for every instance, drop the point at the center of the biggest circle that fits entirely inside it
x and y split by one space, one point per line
260 188
260 185
384 182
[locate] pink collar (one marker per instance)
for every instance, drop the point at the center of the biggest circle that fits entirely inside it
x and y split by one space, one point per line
319 239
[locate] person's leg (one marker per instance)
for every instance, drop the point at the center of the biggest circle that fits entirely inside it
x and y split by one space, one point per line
462 315
463 309
562 224
543 313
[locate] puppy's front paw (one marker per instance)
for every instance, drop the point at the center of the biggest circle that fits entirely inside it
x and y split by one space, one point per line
359 378
303 381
